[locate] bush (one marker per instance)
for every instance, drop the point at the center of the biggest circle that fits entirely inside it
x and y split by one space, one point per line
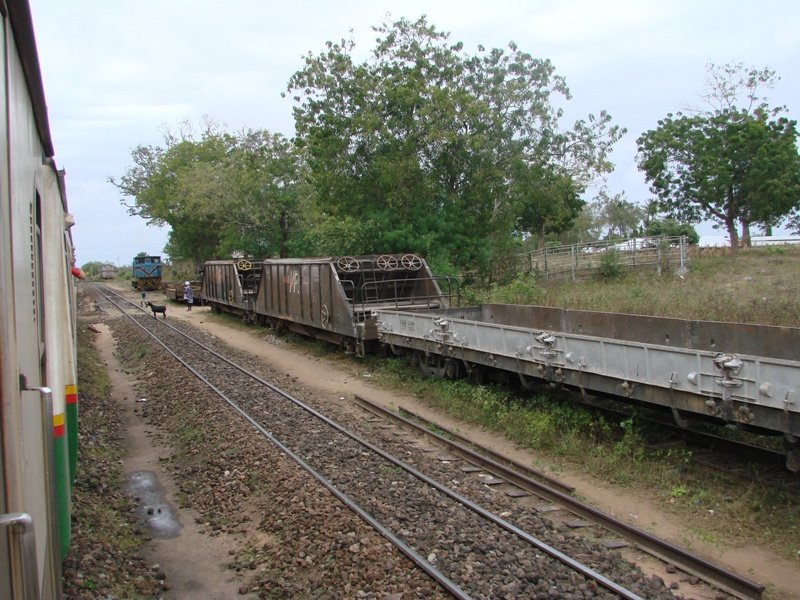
609 264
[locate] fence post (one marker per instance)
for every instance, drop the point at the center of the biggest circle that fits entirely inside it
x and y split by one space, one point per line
545 262
682 249
658 256
574 260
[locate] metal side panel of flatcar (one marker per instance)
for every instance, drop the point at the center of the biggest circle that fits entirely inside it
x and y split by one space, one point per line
726 382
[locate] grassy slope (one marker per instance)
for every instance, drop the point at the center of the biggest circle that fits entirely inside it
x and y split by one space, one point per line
761 285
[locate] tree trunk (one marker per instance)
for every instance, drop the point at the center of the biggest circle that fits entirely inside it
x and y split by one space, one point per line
540 237
284 229
733 236
745 233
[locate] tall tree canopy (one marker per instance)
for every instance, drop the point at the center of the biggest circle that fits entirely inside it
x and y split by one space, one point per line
731 165
426 148
222 194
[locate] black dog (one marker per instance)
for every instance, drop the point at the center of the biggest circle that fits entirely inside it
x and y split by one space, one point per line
157 309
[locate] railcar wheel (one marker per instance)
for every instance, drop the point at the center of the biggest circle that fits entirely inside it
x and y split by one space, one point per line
414 360
387 263
411 262
348 264
244 265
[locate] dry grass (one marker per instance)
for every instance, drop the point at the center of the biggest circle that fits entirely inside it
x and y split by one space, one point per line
760 285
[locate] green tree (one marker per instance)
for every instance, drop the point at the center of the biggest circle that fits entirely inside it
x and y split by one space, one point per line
619 217
734 166
672 228
546 203
419 144
221 194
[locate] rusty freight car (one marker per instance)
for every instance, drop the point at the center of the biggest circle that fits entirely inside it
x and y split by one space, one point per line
329 298
334 298
231 285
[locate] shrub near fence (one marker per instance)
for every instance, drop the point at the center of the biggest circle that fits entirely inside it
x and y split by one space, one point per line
661 253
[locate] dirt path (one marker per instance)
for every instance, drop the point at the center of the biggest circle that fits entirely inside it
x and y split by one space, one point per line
194 562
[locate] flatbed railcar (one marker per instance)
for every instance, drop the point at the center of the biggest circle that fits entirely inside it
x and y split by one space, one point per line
735 374
38 397
174 291
146 273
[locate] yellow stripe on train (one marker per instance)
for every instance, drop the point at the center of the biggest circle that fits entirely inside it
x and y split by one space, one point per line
58 425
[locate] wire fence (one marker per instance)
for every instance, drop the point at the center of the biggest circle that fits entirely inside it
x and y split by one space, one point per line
662 253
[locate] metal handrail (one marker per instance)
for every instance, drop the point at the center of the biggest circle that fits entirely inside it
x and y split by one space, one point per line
398 300
23 552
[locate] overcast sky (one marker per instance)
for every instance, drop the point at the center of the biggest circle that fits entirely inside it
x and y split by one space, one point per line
116 72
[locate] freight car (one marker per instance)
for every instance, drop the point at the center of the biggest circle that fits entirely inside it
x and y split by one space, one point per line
741 375
231 285
38 409
146 273
329 298
108 273
735 374
174 291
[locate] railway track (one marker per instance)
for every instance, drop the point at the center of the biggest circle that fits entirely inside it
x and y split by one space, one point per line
517 481
471 551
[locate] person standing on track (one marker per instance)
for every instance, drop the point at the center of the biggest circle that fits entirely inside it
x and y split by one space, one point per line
188 294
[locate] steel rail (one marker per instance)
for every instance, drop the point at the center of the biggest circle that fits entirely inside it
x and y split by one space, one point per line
423 564
553 552
476 454
657 547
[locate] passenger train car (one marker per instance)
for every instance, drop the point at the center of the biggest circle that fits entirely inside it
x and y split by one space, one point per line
747 376
38 409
